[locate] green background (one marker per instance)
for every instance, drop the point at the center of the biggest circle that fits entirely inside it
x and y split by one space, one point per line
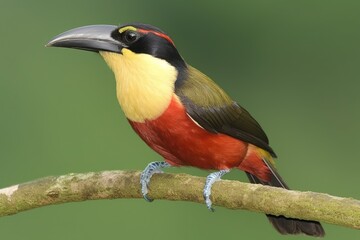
293 64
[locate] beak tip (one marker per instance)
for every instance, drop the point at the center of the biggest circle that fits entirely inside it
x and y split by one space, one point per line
51 43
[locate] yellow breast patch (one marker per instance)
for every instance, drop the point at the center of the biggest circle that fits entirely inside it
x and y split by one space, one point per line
144 84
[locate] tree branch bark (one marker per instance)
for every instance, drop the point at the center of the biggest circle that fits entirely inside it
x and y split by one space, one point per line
230 194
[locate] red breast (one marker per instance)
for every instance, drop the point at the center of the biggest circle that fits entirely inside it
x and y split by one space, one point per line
176 137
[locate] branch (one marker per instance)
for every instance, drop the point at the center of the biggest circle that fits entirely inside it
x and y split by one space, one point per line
230 194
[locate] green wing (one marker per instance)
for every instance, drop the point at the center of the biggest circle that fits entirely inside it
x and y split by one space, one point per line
214 110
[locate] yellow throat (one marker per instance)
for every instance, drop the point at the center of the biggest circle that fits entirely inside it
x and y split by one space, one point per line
144 84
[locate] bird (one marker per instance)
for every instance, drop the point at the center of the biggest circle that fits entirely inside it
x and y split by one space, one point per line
181 113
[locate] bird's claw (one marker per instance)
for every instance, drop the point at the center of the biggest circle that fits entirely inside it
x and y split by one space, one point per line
147 198
149 171
208 202
144 189
210 180
144 181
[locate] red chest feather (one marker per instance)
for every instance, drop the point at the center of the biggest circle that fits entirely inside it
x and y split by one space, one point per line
176 137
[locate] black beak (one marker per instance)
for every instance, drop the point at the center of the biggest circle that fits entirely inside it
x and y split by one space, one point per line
93 38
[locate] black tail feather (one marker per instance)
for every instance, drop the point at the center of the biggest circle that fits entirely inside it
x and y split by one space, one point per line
283 224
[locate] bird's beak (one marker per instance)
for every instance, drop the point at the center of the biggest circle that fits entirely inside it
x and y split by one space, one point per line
93 38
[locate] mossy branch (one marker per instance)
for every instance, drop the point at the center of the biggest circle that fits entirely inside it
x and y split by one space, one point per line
229 194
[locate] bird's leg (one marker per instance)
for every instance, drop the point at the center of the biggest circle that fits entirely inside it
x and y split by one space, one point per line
153 167
210 179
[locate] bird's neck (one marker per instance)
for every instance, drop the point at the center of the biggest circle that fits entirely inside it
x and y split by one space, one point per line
144 84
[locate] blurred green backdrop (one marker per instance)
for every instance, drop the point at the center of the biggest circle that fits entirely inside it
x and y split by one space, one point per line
293 64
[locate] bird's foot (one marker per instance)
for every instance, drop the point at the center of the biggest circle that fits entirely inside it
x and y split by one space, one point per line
153 167
210 180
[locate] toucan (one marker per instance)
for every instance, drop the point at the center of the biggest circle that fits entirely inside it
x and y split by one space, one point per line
181 113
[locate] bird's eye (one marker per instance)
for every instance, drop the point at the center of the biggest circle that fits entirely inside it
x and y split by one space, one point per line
130 37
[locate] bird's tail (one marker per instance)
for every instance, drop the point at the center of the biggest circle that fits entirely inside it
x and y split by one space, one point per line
283 224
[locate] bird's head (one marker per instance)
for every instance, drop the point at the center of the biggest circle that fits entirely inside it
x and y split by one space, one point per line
135 37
